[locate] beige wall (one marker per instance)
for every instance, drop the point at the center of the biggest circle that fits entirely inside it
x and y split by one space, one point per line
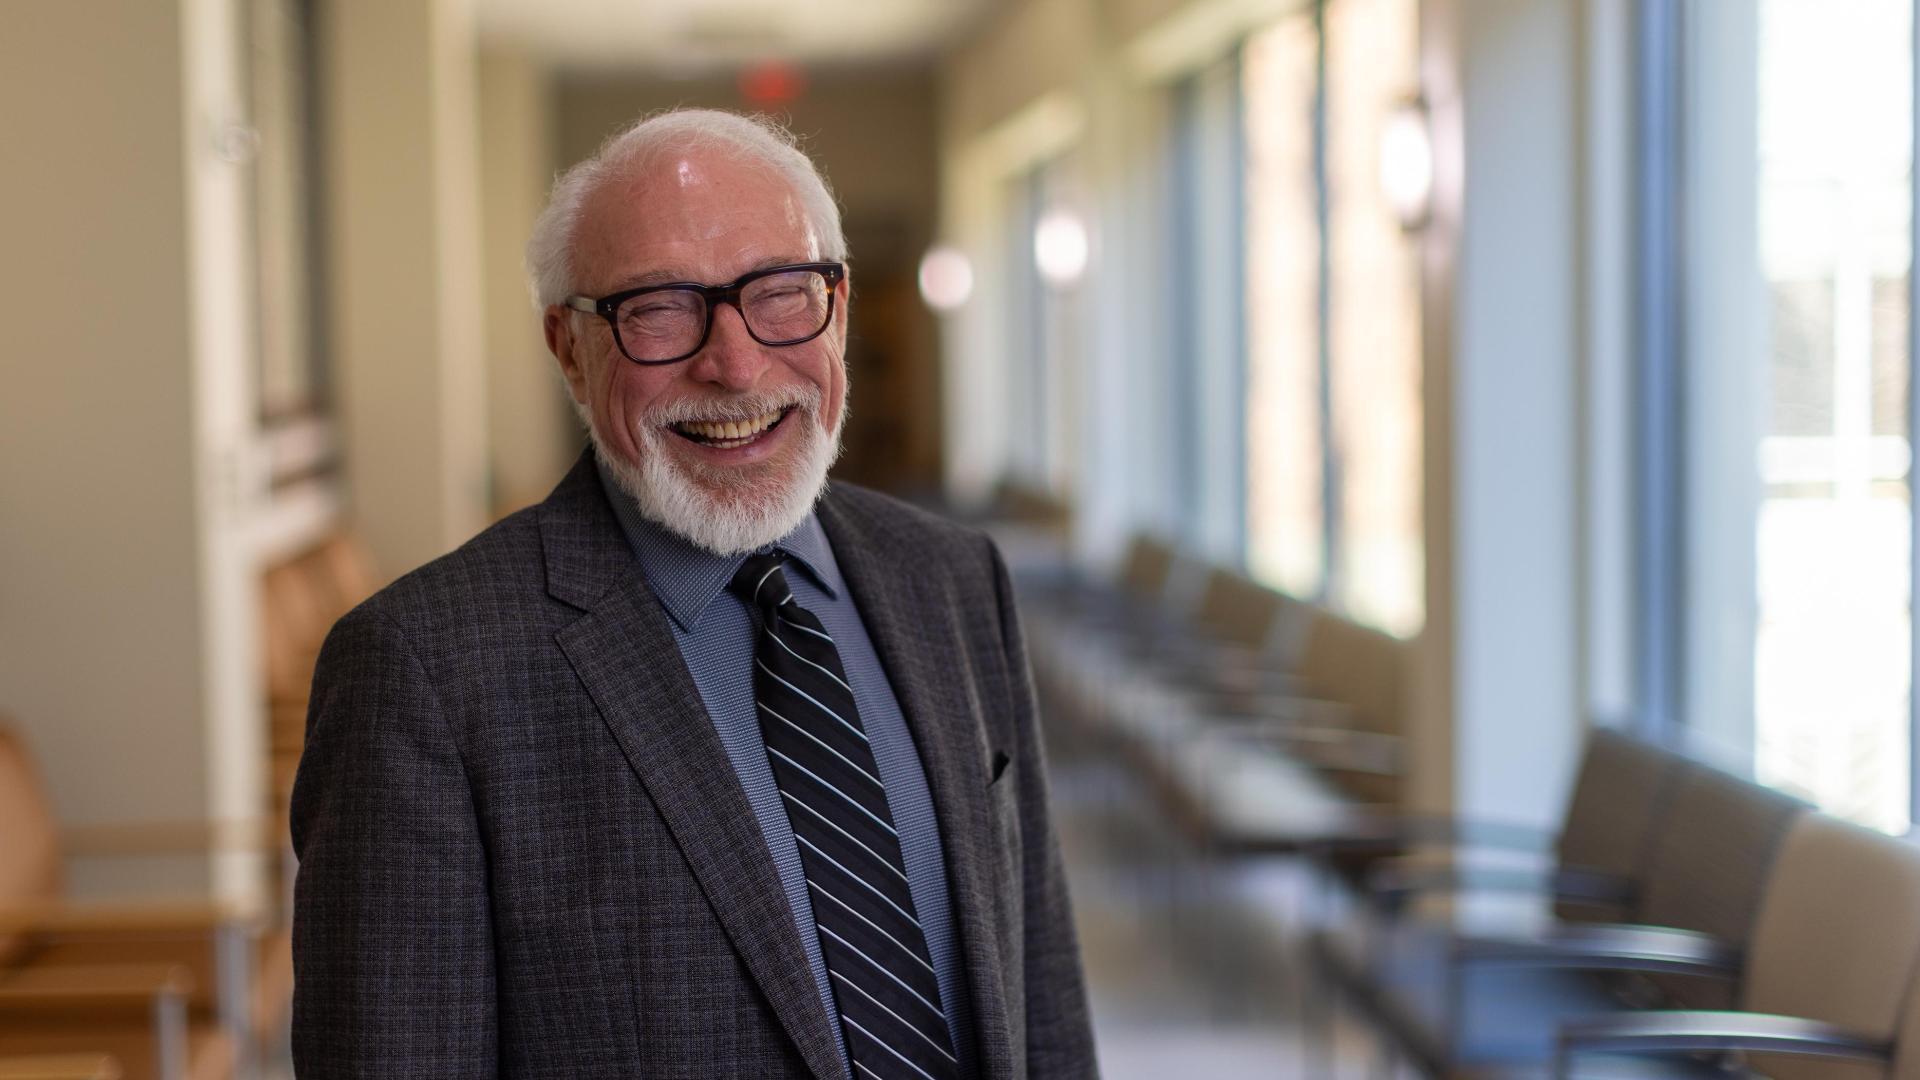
531 432
1038 48
101 617
125 478
1042 47
871 132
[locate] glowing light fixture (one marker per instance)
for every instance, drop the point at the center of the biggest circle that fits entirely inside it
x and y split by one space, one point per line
1060 248
1406 164
946 278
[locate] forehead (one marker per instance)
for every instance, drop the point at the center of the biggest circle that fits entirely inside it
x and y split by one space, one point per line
689 215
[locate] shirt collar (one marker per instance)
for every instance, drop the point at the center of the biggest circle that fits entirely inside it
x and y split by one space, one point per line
687 578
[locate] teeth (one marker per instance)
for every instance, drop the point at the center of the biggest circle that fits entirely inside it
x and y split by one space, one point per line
729 429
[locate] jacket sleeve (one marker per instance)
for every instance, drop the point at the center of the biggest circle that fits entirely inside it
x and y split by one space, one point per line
392 936
1059 1033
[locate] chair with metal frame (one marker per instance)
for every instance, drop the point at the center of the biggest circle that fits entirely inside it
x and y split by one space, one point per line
1622 789
1827 992
1456 999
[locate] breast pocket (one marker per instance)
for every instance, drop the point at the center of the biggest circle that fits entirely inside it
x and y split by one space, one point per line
1003 804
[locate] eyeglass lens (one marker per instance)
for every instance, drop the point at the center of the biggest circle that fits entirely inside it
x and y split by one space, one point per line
779 309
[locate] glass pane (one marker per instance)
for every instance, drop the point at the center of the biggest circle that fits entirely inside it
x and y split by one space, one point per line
1374 319
1285 545
1890 368
1832 656
290 379
1026 307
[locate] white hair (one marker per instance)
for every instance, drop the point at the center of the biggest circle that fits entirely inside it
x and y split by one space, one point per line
758 139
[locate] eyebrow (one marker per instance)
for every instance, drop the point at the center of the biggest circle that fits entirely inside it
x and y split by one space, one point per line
676 277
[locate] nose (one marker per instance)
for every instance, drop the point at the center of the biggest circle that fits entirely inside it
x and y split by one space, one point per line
730 359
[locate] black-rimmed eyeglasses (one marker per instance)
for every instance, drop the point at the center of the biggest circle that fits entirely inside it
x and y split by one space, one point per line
662 324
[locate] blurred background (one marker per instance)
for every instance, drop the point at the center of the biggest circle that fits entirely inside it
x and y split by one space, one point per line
1484 371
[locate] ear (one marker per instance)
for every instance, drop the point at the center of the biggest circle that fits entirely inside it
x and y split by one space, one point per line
842 303
557 324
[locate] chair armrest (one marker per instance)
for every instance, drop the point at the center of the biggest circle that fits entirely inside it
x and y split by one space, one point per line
1329 749
61 1067
1607 947
1277 708
143 917
105 991
168 837
1398 880
1388 830
1679 1031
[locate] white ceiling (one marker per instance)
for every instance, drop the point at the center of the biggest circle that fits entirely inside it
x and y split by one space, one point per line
689 37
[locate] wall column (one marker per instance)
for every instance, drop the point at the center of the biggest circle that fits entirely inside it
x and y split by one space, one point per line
531 431
399 89
1499 712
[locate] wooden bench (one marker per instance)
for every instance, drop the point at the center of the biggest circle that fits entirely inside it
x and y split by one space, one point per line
179 981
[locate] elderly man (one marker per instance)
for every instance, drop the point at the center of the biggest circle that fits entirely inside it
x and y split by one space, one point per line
702 767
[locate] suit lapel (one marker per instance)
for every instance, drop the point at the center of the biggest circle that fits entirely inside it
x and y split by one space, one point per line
624 653
906 611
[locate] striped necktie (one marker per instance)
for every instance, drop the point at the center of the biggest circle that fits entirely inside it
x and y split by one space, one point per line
876 954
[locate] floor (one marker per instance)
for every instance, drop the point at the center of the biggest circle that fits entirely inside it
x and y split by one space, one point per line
1190 966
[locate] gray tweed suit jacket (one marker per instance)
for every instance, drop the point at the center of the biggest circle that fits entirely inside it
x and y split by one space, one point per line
523 852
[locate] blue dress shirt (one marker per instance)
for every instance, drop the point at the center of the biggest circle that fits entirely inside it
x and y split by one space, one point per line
716 634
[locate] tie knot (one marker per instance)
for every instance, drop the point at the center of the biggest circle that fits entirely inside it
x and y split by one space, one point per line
760 581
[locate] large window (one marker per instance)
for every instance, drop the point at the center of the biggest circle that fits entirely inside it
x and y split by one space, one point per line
1834 612
1042 297
1286 522
1333 315
293 405
1206 385
1795 188
1373 320
291 377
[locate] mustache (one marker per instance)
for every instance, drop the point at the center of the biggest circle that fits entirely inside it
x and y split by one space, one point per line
734 407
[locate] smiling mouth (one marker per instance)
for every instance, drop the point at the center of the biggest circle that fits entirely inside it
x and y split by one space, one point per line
730 434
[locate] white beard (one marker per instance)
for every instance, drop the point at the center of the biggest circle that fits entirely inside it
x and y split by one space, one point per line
731 512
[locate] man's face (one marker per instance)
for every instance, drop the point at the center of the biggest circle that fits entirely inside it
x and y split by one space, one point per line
708 217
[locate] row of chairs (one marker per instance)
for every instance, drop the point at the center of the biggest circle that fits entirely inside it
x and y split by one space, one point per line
1684 911
1263 723
148 988
164 988
1681 922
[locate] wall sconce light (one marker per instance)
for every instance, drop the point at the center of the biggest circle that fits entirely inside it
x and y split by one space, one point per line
1060 248
946 278
1406 163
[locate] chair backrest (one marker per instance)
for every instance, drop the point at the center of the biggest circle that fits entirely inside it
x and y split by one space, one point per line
1906 1040
1624 788
1837 936
1360 667
1236 609
292 619
1709 864
30 866
1147 566
343 571
1369 672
